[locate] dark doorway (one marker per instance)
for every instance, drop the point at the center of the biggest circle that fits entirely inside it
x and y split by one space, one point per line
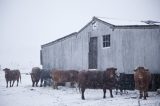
93 53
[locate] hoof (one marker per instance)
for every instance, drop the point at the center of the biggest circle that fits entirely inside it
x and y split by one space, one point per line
83 98
145 98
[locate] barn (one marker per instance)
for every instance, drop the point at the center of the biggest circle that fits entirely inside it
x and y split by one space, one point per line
106 43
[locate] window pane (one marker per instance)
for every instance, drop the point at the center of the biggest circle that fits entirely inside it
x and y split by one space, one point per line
107 44
104 44
106 40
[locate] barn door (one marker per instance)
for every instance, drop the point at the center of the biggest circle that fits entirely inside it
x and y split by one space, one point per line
93 53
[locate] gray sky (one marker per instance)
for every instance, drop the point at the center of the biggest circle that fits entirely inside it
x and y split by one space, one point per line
27 24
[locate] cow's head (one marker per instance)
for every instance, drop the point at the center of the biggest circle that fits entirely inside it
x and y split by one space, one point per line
111 72
6 70
139 69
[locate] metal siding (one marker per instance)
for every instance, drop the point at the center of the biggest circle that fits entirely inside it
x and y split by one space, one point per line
139 47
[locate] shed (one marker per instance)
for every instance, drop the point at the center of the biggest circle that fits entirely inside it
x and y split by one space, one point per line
106 43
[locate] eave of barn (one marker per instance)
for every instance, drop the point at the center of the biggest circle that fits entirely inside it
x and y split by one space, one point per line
63 38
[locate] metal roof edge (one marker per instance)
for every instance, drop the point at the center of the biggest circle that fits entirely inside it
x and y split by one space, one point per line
127 26
137 26
52 42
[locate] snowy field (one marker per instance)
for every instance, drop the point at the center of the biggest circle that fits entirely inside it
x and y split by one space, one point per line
25 95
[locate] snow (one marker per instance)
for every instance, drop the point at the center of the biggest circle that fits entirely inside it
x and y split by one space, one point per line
25 95
119 22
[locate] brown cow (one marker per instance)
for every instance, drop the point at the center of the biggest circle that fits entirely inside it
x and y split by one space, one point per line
62 76
12 75
97 79
142 78
35 75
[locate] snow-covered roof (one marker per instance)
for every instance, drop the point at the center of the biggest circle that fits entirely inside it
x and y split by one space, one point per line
120 22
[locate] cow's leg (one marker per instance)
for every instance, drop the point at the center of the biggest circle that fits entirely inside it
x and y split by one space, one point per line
45 83
7 83
82 90
49 82
71 84
41 82
117 90
140 94
17 82
36 83
13 83
110 90
121 91
55 85
104 92
33 82
145 94
10 83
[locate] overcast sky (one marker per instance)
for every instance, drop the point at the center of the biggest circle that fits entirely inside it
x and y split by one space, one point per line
27 24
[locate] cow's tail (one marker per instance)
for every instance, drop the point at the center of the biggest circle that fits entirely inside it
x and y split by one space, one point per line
20 77
79 87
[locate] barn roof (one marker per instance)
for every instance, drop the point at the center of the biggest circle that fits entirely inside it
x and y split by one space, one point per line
128 23
114 23
50 43
122 22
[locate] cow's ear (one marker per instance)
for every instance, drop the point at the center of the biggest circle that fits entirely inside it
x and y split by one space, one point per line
134 70
6 69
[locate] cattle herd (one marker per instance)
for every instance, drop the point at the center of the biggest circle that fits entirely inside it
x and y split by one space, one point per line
92 79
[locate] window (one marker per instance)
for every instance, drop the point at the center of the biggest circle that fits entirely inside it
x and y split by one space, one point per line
106 40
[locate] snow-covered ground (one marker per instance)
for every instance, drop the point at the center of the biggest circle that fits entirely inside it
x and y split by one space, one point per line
25 95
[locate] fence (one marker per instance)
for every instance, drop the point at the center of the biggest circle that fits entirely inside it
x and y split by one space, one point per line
129 84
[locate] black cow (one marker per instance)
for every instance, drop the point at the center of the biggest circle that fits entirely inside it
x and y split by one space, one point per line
97 79
45 78
35 75
121 83
12 75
